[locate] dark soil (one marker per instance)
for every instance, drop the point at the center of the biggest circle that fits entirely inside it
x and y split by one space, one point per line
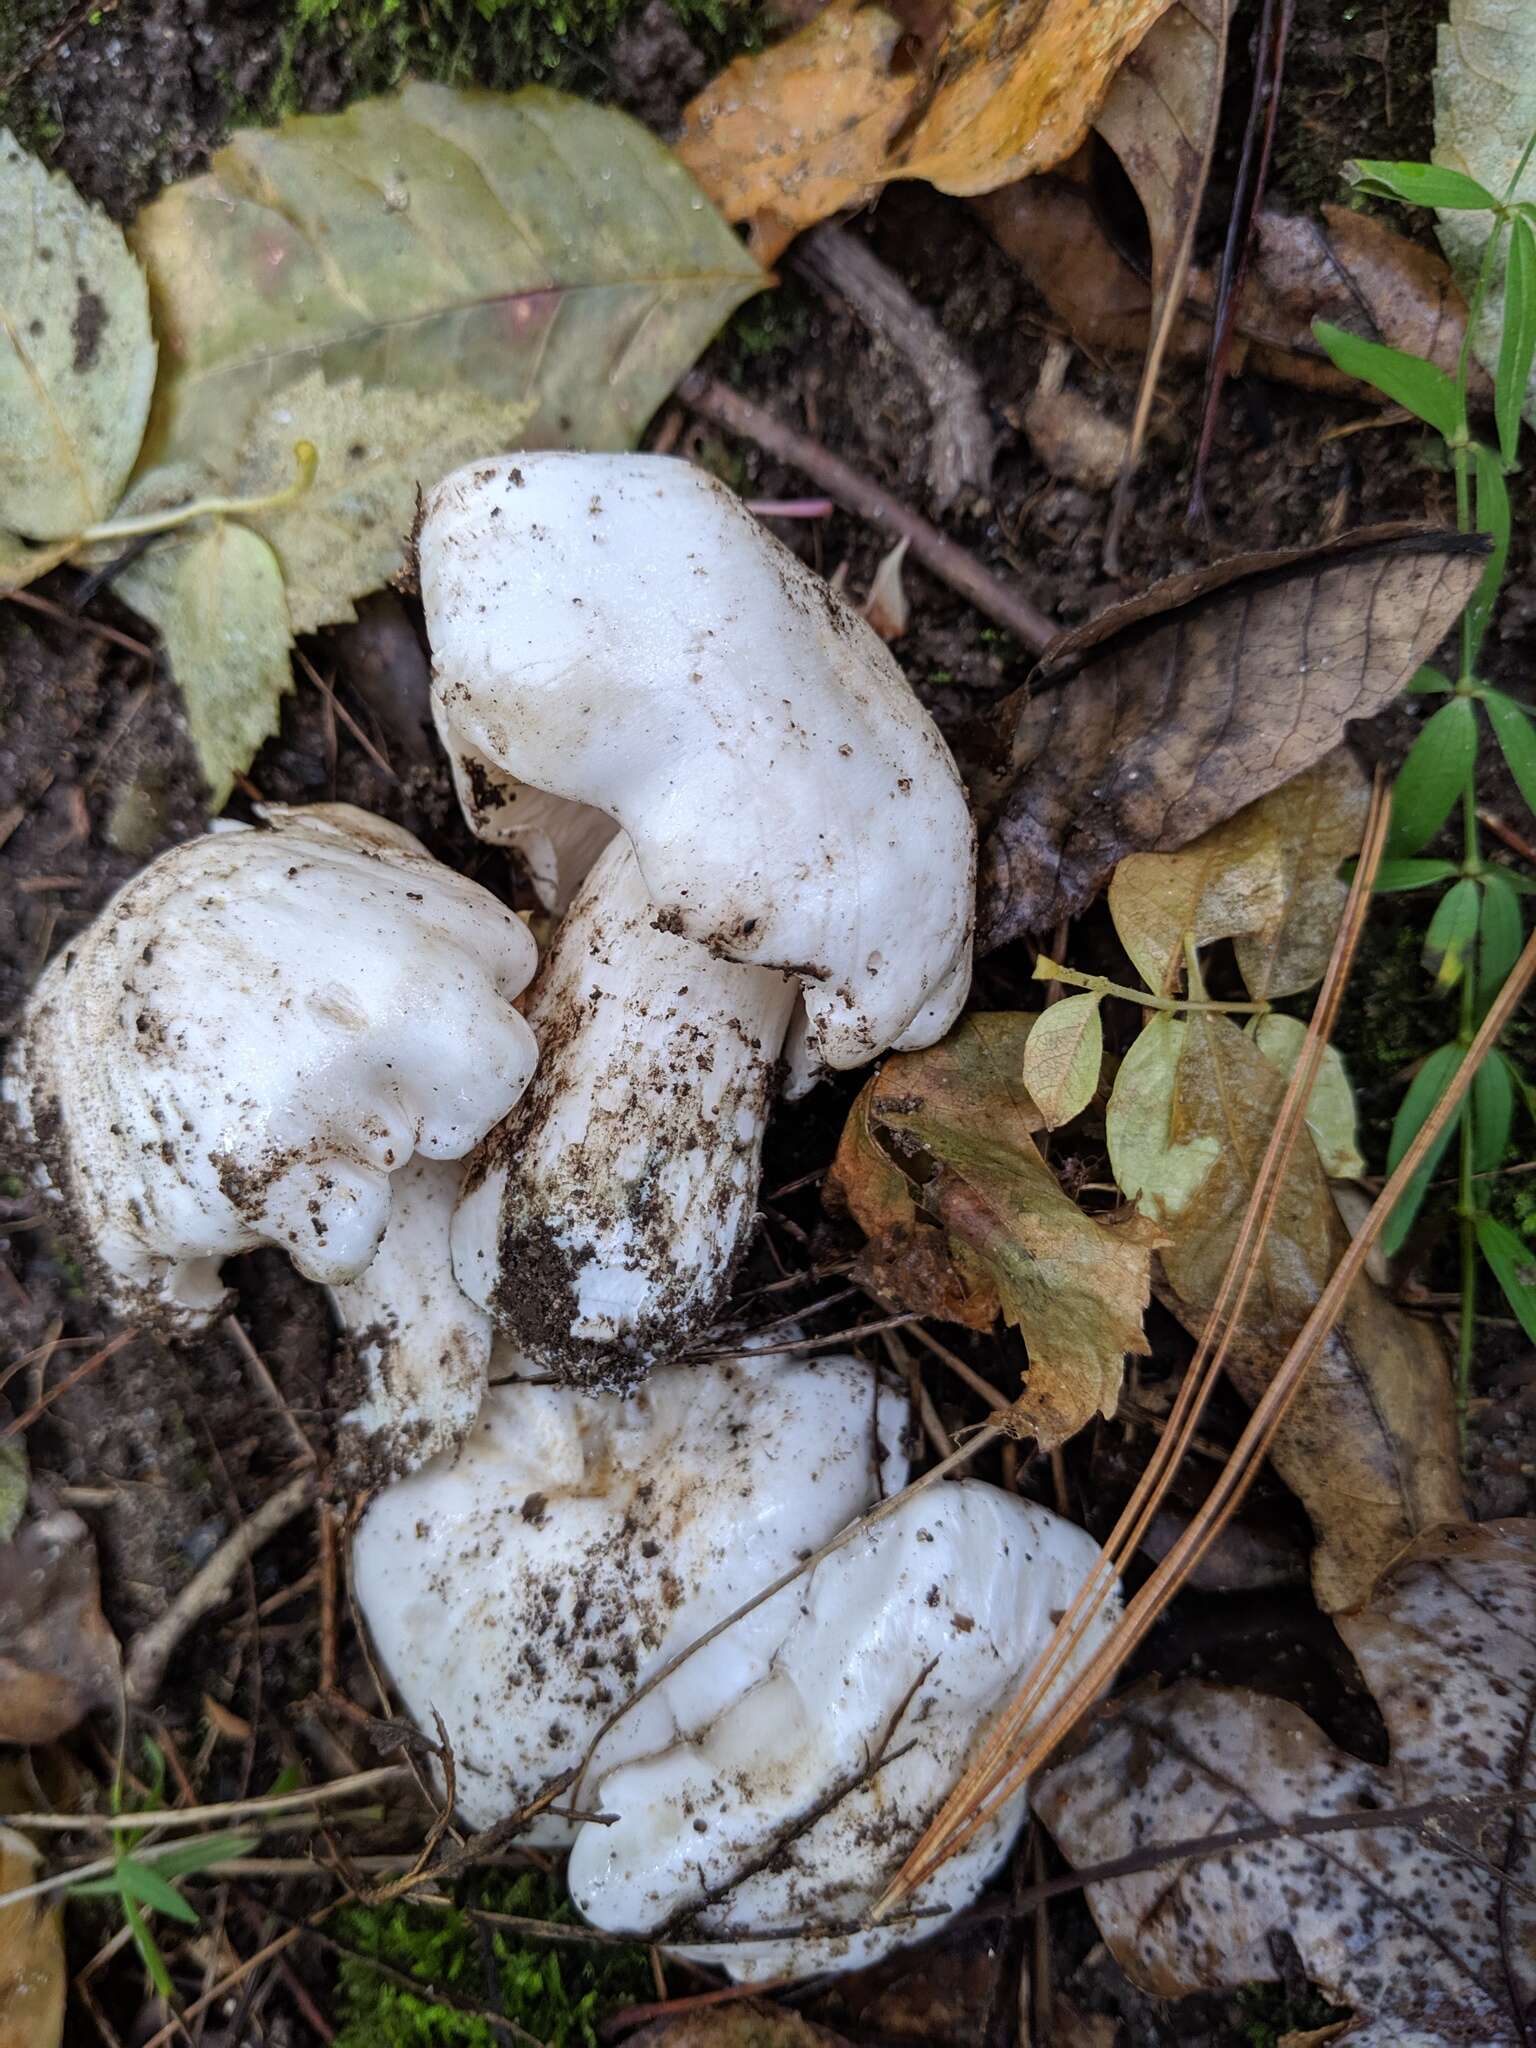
164 1448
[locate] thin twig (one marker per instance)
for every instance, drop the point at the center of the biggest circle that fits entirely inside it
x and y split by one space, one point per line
866 499
210 1586
811 1343
73 1379
219 1813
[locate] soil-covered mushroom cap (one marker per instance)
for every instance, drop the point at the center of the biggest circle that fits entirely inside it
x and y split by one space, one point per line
252 1037
620 631
524 1587
795 1802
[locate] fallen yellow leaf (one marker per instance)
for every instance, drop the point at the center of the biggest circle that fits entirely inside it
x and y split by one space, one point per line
822 119
31 1955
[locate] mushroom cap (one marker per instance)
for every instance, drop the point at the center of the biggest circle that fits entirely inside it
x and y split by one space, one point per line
525 1586
619 630
777 1811
256 1032
601 1223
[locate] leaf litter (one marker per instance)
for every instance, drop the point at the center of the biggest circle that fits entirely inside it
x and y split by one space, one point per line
946 1161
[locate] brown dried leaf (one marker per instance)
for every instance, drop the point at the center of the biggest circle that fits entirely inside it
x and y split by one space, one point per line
58 1658
1369 1447
1160 119
1349 268
1230 880
1429 1932
1318 821
1199 696
1074 1286
790 134
32 1972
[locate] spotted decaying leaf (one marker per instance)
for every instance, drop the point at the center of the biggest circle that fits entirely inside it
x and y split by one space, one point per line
77 360
981 1223
1166 715
58 1658
1427 1931
820 120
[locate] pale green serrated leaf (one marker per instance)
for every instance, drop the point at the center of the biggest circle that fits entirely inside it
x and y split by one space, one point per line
343 536
217 599
1331 1115
522 251
1062 1057
1156 1169
77 360
1485 113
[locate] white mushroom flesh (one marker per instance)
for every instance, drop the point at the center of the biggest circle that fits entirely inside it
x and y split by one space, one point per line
792 1806
619 630
601 1221
253 1036
525 1587
555 839
422 1348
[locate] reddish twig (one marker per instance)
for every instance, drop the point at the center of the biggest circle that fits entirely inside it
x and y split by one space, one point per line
866 499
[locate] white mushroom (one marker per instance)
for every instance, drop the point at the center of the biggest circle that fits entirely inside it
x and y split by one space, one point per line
524 1587
601 1221
420 1346
620 631
256 1032
793 1804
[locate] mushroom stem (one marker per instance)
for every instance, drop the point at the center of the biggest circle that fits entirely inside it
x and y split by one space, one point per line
601 1221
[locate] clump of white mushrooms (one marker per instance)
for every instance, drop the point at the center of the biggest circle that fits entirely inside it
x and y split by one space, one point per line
527 1196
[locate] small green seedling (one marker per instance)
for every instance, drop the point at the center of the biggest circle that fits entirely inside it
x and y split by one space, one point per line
1477 929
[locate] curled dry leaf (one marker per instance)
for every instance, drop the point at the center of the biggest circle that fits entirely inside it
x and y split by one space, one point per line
1076 1287
1349 268
1428 1931
886 606
1369 1446
33 1977
1160 119
77 361
821 120
58 1658
1187 702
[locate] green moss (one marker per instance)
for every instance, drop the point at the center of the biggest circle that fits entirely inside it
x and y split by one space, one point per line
497 43
560 1995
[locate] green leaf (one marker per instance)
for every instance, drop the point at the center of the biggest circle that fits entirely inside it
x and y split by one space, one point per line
1062 1057
187 1857
1155 1168
459 271
143 1882
1426 391
149 1953
1516 735
1493 1112
1419 184
1500 934
1429 682
1434 775
1452 930
1517 344
1493 517
77 360
1331 1115
1395 875
1513 1263
218 602
1424 1091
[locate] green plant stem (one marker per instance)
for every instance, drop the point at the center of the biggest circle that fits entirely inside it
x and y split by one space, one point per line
207 508
1096 984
